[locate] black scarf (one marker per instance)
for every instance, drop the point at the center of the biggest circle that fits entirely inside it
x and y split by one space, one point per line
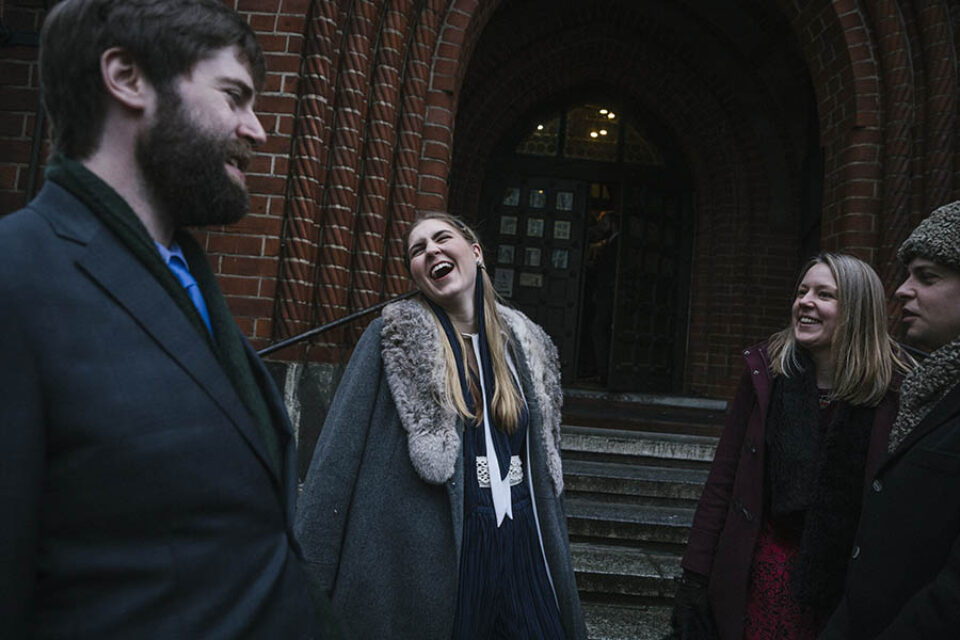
114 212
501 440
817 473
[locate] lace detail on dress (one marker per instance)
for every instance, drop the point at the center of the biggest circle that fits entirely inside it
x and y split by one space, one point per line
483 471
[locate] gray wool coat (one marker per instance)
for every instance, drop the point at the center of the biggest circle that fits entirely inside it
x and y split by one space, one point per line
381 514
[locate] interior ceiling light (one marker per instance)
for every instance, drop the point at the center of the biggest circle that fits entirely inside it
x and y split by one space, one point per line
594 134
539 127
604 112
611 115
603 132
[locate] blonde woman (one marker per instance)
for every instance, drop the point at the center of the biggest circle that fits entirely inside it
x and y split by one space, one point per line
772 534
433 506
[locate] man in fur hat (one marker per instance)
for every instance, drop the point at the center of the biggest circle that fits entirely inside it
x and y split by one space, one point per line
904 574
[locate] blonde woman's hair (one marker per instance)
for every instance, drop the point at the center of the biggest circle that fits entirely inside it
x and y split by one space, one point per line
506 403
864 356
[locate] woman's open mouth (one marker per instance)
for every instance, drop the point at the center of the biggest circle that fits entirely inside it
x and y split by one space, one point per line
440 269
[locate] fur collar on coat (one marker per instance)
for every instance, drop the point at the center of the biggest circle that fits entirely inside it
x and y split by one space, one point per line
413 362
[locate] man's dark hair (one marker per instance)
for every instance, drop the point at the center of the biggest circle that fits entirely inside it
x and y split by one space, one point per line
166 38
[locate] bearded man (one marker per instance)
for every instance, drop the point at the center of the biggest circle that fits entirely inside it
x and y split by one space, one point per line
147 484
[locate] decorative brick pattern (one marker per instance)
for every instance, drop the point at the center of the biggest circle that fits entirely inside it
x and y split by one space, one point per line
313 126
372 182
900 120
376 108
410 144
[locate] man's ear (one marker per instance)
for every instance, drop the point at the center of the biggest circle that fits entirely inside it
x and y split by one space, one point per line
124 80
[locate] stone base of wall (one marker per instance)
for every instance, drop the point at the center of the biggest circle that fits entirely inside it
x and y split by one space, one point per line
307 390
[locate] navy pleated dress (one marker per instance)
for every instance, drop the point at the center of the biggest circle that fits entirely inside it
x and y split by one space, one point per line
505 591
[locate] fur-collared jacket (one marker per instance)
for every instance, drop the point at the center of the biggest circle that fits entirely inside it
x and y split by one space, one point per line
381 514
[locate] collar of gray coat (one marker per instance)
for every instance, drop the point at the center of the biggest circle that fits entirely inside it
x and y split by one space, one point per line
413 362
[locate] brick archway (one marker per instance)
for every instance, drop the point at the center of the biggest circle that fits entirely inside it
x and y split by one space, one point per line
744 169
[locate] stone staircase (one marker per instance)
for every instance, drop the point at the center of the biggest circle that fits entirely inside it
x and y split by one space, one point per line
630 496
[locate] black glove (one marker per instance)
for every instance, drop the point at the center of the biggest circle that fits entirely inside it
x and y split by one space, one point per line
691 618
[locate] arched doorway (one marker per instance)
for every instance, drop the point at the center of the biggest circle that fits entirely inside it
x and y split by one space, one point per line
587 218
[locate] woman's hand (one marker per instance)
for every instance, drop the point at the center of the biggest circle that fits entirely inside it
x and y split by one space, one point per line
691 618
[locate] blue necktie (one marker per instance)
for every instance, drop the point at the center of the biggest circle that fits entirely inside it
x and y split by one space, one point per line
187 281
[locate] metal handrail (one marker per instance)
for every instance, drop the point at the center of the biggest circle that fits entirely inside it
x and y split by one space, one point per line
283 344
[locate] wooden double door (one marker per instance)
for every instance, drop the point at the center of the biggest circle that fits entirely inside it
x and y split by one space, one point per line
603 267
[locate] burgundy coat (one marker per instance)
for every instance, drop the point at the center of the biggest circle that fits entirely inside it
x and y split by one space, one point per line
729 514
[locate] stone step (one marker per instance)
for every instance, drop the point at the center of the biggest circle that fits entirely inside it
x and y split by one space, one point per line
626 622
631 495
644 412
624 570
574 395
664 525
632 483
615 445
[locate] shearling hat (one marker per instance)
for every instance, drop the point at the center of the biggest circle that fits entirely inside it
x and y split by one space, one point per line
937 238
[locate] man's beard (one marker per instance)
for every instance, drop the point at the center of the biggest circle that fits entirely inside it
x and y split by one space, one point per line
183 166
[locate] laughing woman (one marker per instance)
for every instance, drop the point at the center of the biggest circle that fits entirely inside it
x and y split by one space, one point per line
772 534
433 506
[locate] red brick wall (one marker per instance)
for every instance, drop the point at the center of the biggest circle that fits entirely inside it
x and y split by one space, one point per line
18 103
245 255
841 55
374 109
885 73
372 154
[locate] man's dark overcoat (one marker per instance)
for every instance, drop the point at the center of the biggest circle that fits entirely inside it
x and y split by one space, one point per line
136 493
904 576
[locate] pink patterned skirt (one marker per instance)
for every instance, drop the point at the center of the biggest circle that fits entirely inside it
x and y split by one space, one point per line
772 613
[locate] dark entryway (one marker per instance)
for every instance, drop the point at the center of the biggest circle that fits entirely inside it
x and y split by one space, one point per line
588 231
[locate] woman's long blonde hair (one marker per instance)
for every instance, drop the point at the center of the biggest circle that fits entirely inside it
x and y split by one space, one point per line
506 403
863 354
